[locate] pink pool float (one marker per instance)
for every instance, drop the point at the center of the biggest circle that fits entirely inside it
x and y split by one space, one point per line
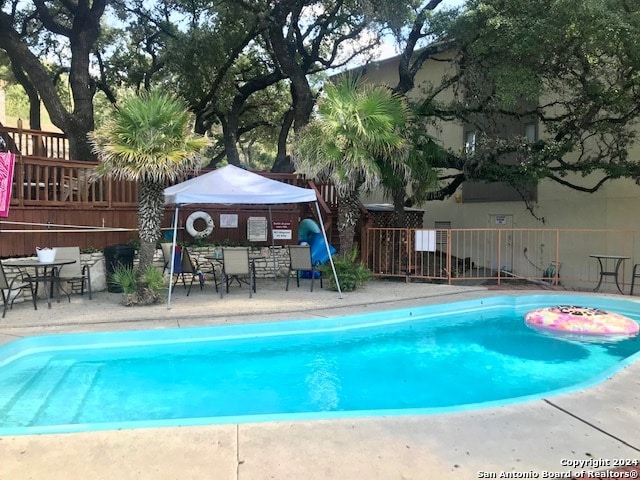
581 320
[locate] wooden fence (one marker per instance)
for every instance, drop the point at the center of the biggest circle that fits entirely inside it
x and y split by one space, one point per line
60 202
554 257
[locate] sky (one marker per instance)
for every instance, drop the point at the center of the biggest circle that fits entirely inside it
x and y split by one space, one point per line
388 48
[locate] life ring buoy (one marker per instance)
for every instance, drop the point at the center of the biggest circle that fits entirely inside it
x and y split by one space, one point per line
191 230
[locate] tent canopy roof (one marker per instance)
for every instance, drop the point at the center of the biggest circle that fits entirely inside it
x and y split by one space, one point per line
233 185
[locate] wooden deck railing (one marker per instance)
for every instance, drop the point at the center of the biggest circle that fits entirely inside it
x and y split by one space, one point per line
51 192
36 143
500 255
41 181
44 182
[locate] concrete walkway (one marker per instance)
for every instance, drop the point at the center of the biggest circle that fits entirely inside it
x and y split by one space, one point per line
595 427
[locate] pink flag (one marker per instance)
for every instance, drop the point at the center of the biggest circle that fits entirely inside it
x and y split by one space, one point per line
6 180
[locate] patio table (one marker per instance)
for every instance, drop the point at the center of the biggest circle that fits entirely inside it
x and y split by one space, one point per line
47 273
602 262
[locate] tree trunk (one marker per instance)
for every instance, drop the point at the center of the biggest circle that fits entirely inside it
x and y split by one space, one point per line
84 17
398 209
230 138
283 163
348 215
79 146
150 214
284 49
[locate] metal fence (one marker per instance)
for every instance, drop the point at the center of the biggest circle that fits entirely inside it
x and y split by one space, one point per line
554 257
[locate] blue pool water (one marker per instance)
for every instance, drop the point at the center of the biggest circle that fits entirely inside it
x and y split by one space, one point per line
418 360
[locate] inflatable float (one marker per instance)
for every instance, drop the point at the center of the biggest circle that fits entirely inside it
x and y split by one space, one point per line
581 321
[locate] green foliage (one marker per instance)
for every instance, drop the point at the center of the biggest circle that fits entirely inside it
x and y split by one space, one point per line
134 243
139 289
351 272
226 242
17 102
565 64
418 176
125 278
153 279
357 123
149 139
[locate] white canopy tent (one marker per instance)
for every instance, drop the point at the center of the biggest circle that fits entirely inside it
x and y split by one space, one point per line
233 185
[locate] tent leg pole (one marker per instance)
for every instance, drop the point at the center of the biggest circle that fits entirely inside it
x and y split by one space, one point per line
326 244
173 255
273 245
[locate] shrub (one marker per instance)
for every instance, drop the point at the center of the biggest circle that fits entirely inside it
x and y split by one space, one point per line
143 290
153 279
125 278
351 272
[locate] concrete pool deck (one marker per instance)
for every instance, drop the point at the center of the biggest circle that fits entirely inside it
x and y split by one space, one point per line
596 426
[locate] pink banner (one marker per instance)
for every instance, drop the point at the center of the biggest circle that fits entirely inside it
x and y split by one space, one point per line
6 180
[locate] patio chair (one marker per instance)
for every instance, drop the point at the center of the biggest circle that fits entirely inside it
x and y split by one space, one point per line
74 272
19 283
635 274
166 255
190 267
300 260
237 265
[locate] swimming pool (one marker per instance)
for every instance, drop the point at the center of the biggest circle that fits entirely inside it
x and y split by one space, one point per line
420 360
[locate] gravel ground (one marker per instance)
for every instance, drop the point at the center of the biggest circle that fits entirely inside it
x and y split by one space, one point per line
205 306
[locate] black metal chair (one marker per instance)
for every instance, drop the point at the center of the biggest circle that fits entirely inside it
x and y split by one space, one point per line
17 284
635 274
190 267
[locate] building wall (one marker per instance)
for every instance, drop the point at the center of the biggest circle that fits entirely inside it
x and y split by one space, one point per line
612 207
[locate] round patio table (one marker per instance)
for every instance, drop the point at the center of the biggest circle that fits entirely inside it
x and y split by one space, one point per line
602 259
47 273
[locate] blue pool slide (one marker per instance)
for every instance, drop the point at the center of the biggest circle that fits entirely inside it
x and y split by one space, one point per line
309 231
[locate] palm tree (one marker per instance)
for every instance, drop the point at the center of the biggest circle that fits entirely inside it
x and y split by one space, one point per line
356 125
417 181
148 139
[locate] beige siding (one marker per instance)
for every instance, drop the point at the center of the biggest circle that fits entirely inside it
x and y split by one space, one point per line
615 206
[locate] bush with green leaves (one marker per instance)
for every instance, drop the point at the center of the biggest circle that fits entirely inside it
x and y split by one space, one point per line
351 272
142 290
125 278
153 278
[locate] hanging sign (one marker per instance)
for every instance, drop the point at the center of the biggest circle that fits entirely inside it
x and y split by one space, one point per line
425 241
282 230
228 220
257 229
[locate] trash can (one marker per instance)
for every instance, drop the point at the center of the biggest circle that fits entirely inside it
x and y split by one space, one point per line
114 257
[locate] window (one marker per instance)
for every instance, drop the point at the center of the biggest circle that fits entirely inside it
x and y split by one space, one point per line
531 131
441 237
476 191
470 142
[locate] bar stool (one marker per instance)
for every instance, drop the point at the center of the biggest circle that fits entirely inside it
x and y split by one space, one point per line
634 275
